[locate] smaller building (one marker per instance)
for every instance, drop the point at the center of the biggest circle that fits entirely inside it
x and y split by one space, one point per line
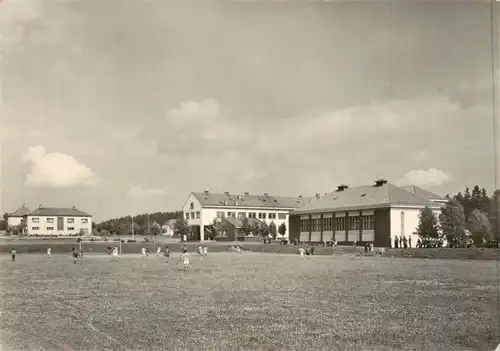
57 221
168 228
15 219
233 227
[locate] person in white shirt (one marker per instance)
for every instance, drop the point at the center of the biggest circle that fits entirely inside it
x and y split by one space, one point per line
158 251
143 252
302 252
185 257
115 253
49 252
205 250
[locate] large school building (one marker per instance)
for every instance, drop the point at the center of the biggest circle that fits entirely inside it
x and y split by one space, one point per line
371 213
200 209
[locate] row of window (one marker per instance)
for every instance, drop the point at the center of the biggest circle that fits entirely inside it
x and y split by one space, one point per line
51 228
341 223
51 220
222 214
193 215
260 215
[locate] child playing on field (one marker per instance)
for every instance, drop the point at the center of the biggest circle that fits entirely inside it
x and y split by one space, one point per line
158 251
301 251
143 252
49 252
185 257
200 250
75 255
115 253
167 253
205 250
13 254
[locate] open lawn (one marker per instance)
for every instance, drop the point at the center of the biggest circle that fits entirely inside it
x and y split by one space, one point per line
255 301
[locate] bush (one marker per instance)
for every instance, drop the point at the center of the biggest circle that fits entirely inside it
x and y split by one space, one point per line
221 238
130 241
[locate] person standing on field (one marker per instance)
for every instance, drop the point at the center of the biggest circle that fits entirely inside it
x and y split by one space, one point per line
13 254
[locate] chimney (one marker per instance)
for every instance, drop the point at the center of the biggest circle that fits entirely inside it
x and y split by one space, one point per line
247 193
238 197
380 182
318 195
300 196
225 202
342 187
206 192
266 194
74 207
226 193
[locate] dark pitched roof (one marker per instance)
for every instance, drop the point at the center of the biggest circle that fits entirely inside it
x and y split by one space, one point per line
20 212
268 201
52 211
238 223
423 193
367 196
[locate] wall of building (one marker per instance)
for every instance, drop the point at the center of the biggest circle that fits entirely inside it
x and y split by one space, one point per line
14 221
208 214
48 225
404 222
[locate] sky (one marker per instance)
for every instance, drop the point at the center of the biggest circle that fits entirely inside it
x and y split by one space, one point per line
127 107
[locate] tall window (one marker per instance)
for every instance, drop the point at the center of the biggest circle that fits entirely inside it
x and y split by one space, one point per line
220 214
304 225
354 223
252 215
262 215
231 214
242 215
35 220
368 222
272 216
316 225
340 223
281 215
187 217
197 214
72 220
85 220
402 223
327 224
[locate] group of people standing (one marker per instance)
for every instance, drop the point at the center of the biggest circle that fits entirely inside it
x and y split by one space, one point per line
402 242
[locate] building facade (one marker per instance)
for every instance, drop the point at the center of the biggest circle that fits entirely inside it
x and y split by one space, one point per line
375 213
58 221
15 219
201 209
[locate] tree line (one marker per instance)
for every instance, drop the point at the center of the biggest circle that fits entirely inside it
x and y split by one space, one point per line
144 224
469 218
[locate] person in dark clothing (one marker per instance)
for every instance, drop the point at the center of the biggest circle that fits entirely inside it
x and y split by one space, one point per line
419 243
401 242
405 242
396 241
409 242
13 254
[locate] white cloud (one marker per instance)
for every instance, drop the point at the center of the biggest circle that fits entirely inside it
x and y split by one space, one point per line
430 177
56 170
139 192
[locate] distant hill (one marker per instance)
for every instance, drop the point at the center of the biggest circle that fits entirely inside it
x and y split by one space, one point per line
123 225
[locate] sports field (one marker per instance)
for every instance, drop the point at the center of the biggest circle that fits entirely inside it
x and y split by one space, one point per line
255 301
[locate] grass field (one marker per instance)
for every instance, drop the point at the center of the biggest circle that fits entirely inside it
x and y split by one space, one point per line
255 301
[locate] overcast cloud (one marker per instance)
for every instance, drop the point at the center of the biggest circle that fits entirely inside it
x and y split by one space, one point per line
128 107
